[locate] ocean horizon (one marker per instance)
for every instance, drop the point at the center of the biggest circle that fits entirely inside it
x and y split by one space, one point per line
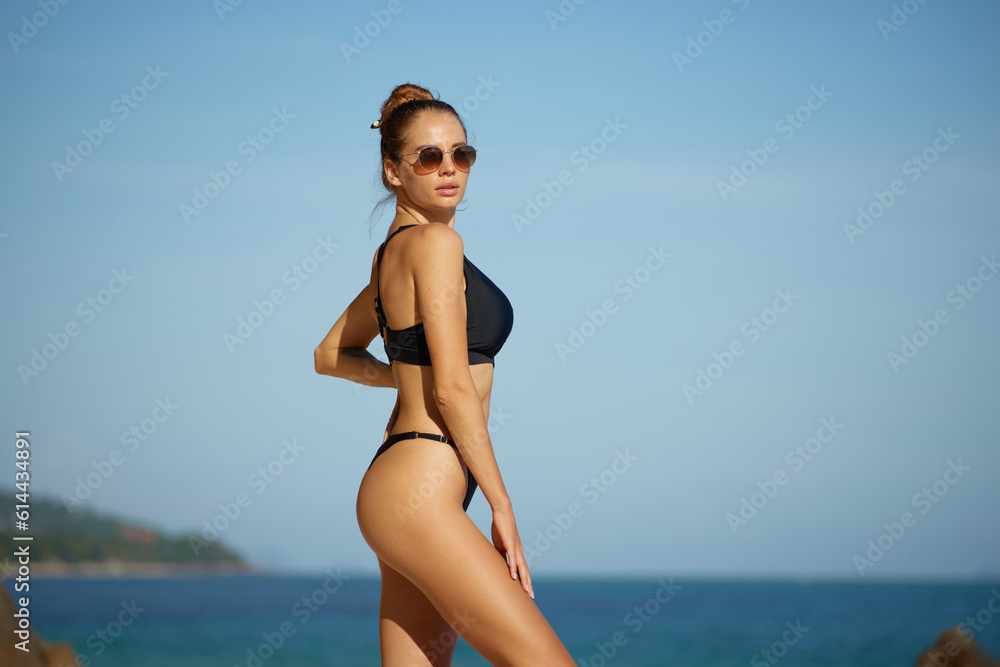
331 618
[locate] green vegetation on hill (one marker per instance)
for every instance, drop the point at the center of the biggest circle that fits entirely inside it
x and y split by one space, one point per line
82 536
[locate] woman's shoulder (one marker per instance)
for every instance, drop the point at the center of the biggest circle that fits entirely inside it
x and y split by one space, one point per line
435 239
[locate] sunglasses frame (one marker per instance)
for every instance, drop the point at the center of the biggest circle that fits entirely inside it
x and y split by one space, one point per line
443 153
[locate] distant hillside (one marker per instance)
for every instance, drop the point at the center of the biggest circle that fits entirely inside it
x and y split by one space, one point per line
88 537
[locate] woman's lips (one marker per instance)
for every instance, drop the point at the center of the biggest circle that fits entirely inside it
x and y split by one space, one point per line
448 190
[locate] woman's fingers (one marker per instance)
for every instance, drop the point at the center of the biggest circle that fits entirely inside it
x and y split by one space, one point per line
526 579
519 567
523 575
508 544
392 420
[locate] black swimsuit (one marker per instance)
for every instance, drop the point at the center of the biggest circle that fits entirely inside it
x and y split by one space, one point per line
489 319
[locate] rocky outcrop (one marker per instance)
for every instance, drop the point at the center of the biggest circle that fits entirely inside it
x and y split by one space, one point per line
41 653
955 649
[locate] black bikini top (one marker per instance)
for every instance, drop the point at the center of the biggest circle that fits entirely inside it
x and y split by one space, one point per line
489 317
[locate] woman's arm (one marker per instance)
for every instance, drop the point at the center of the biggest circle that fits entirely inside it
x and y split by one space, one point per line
438 260
343 352
438 273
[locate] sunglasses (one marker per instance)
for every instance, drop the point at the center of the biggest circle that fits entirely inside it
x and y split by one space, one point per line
430 157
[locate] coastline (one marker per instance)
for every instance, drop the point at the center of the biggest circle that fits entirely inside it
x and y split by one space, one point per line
116 569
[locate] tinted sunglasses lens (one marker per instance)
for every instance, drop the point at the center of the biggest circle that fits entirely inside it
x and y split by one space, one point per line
430 158
465 157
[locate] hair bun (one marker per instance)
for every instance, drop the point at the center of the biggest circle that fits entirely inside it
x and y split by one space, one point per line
401 94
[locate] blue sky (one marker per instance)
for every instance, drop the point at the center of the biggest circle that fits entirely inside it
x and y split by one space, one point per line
758 330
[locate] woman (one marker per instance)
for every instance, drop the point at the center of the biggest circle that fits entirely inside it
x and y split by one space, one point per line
440 575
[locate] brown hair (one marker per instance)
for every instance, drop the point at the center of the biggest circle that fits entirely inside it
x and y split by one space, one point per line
405 103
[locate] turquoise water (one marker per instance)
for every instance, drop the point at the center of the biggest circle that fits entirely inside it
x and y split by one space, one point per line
226 621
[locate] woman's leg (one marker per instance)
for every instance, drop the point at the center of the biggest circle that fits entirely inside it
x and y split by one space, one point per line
435 545
411 632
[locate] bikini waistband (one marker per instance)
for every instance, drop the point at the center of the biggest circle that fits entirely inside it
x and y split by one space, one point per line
396 437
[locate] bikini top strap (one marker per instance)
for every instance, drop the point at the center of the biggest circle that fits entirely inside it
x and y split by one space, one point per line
383 324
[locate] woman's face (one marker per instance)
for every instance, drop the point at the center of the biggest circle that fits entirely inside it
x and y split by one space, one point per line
427 190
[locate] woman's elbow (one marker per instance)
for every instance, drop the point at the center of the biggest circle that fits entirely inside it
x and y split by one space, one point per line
322 362
448 391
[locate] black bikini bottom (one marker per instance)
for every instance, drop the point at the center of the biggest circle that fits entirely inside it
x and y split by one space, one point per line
409 435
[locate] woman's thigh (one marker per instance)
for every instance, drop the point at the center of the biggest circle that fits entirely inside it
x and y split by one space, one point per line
411 631
436 547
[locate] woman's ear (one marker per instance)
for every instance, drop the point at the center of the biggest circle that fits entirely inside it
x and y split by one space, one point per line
391 172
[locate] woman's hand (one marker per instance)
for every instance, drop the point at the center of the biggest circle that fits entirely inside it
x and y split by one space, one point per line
508 543
392 419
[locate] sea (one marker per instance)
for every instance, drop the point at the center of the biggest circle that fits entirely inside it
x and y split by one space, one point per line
331 619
